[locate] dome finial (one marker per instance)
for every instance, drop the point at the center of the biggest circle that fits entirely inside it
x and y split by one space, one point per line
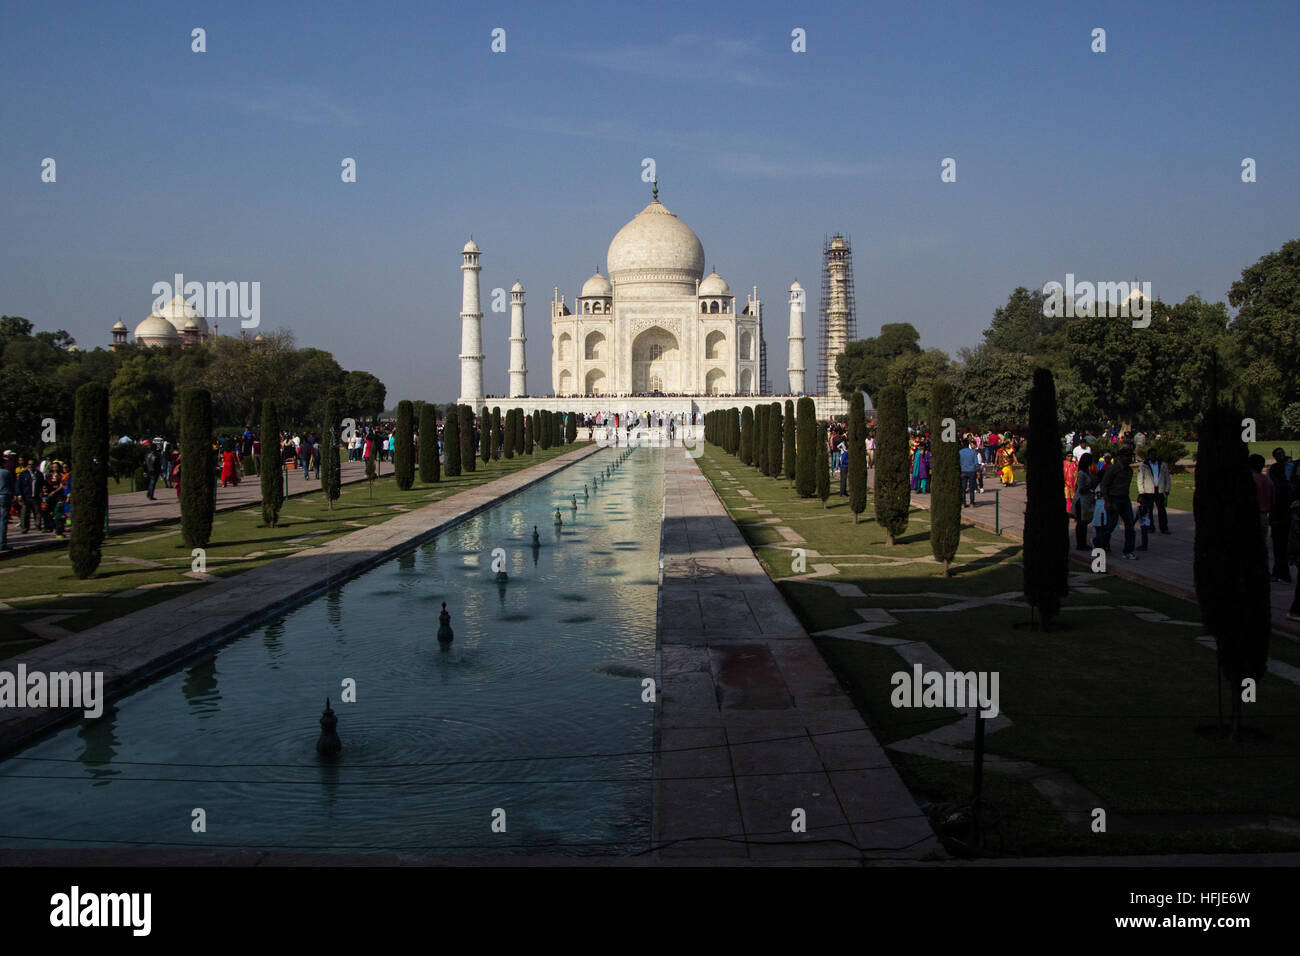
656 188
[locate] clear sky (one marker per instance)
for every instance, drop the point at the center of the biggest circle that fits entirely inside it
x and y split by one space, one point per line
225 165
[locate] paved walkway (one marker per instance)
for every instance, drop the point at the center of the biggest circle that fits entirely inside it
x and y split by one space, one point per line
1167 566
752 726
133 509
133 648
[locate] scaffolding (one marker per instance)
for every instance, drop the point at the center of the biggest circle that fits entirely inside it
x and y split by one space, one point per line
837 316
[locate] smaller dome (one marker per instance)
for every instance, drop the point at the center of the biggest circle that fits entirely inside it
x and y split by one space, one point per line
119 326
597 285
470 246
517 287
155 330
191 324
714 284
795 286
257 337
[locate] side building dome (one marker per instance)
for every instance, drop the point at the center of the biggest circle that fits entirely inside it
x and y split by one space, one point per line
714 284
157 331
597 285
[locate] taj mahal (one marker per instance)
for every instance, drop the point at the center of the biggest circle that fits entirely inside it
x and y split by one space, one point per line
654 331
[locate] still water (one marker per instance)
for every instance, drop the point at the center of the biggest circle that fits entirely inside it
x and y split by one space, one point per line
543 673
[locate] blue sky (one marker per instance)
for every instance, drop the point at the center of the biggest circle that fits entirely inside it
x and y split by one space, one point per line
225 165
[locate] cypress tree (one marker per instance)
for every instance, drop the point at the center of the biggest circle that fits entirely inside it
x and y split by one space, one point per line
806 449
733 417
1047 528
496 433
508 434
89 478
429 443
945 483
451 440
1229 553
893 471
571 429
747 436
485 435
272 483
197 496
557 429
519 431
403 459
775 440
823 465
857 454
331 471
528 435
465 414
791 466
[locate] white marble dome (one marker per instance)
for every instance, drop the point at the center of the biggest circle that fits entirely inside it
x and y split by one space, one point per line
656 247
180 314
714 284
517 287
155 330
470 246
597 285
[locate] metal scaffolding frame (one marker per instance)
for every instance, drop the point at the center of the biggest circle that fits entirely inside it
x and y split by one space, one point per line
837 306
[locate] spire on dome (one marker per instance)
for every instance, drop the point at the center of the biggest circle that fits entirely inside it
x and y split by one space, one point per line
656 188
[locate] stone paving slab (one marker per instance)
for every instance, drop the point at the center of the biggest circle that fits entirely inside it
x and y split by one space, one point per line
740 677
131 649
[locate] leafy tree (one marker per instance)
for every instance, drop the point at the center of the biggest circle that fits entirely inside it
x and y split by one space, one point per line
1047 530
775 440
1267 327
331 477
864 364
747 436
363 395
806 449
198 492
23 405
140 397
271 481
893 472
451 440
823 464
1229 557
467 448
945 483
89 478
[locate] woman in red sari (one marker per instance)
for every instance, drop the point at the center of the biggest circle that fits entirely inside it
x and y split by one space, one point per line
1071 470
229 468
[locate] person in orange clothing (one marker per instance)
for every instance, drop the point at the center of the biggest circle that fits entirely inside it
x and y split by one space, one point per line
1005 460
229 467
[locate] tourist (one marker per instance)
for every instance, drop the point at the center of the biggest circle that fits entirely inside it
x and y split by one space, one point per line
1005 462
1114 489
1154 480
1070 468
1084 500
1279 518
229 467
151 470
969 461
8 488
843 460
1263 493
31 486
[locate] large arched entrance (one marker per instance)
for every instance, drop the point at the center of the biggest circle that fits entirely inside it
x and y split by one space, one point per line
656 362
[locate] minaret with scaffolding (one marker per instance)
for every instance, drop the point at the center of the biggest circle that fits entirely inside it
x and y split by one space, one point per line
839 320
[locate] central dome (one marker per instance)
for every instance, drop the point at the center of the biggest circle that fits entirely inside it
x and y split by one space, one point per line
656 247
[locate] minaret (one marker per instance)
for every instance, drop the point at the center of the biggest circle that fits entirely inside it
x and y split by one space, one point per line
518 369
838 319
795 368
471 331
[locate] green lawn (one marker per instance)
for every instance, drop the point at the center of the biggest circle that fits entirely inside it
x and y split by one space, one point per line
1120 700
144 567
